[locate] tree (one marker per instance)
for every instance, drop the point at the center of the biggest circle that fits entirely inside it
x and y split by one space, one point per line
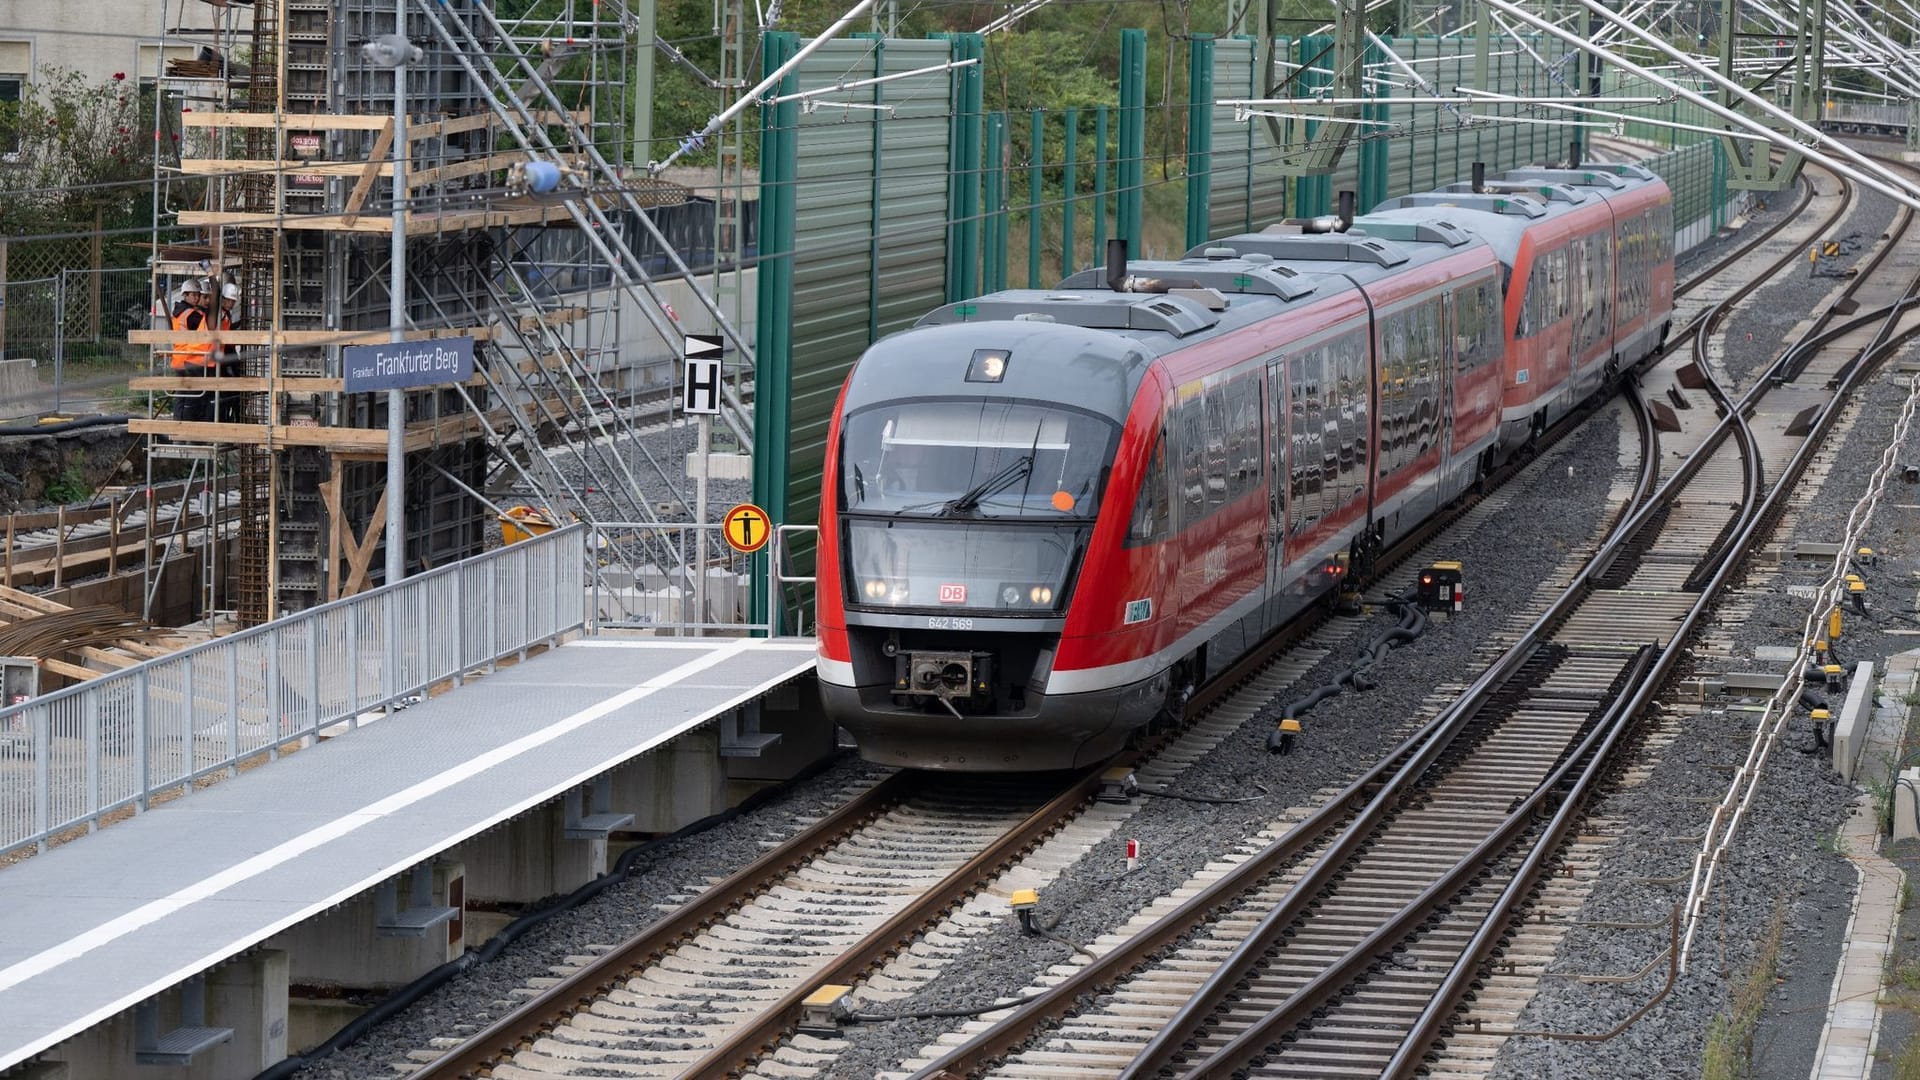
74 150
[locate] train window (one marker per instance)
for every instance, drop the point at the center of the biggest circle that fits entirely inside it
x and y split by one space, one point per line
1350 351
1304 435
1193 461
976 457
1217 449
1152 512
1603 288
1535 313
1243 435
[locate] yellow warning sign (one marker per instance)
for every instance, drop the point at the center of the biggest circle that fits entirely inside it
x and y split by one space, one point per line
747 528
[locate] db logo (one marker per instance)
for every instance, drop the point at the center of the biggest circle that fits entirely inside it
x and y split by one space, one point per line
953 594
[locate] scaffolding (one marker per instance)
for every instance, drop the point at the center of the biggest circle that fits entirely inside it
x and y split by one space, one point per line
285 188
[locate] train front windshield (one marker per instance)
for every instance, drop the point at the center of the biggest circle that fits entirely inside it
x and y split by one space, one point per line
974 503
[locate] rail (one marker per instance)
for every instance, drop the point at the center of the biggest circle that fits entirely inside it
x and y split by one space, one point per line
70 757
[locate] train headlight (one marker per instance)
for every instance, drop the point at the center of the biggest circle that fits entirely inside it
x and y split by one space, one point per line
1010 595
876 589
1041 594
988 365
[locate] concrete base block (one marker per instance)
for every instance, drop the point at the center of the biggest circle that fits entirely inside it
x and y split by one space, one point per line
344 947
672 787
1906 805
312 1021
248 995
529 859
1850 724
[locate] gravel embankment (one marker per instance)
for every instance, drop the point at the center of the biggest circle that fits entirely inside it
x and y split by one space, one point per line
1785 860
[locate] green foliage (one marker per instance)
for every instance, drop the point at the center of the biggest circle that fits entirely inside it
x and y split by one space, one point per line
70 486
1729 1047
77 149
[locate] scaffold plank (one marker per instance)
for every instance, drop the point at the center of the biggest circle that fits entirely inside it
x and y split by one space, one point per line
295 338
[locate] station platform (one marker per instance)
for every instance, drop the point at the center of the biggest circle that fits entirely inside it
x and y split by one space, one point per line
97 926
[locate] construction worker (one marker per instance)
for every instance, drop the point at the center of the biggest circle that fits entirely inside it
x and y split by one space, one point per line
194 359
232 405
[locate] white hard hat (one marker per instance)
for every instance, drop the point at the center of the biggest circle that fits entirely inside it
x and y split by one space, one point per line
230 291
193 285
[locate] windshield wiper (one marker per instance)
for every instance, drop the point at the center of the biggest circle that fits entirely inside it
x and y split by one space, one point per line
966 503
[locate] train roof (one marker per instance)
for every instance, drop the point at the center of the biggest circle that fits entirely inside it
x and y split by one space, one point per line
1509 203
1362 255
1096 343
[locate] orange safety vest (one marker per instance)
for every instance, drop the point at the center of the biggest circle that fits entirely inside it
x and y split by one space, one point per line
198 355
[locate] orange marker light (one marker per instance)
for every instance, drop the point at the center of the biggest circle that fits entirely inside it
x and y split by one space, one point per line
1062 501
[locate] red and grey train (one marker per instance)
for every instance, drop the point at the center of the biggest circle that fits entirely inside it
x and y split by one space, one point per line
1050 513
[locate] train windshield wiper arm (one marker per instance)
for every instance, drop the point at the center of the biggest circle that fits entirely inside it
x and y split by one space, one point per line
1014 470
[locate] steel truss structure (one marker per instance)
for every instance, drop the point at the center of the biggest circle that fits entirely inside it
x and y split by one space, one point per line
285 187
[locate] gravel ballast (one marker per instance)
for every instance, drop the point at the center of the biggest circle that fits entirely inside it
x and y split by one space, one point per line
1785 865
1787 862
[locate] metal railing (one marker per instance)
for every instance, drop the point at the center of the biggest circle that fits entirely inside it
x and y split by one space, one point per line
72 756
631 590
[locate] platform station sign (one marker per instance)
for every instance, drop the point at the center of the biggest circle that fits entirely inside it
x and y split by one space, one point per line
402 365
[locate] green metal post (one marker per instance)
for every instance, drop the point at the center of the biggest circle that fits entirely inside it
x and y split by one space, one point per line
1100 185
773 375
994 218
1035 183
1200 53
1133 138
1069 186
963 196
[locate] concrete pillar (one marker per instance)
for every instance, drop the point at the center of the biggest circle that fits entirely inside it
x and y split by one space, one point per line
528 859
248 995
806 736
676 785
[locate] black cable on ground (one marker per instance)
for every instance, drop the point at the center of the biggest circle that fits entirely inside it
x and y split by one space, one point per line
1413 623
400 999
945 1014
1212 800
15 430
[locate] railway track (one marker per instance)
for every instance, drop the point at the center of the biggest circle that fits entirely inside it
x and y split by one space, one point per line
638 1009
1345 946
71 544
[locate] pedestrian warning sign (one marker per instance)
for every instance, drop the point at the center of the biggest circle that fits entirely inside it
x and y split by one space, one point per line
747 528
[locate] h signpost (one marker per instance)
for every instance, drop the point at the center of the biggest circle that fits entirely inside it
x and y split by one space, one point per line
700 396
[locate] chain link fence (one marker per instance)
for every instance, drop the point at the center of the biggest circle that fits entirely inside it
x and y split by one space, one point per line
63 336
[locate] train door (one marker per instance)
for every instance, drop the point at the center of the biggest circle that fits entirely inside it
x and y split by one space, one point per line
1449 325
1275 421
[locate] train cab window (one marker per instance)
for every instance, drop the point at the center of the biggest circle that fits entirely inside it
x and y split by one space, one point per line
1152 508
975 457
